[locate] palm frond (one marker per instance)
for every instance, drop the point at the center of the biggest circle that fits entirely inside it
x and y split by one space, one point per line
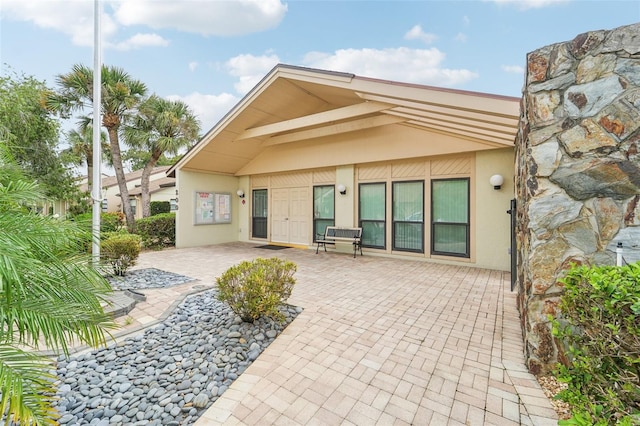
27 387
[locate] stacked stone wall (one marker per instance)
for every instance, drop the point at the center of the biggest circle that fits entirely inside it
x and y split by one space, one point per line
577 171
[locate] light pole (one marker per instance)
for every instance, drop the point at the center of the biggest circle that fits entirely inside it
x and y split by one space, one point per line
96 190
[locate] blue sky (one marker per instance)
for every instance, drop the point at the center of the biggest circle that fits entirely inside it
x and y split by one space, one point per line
210 53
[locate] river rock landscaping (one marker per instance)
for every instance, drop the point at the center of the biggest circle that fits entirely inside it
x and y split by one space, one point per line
170 373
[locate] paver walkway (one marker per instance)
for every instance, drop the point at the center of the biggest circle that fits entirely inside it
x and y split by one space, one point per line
380 341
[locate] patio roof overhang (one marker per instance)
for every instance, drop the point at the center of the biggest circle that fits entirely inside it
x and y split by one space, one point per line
294 105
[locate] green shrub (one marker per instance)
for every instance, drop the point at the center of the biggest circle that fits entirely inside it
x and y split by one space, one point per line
121 251
158 207
111 222
157 231
256 288
600 328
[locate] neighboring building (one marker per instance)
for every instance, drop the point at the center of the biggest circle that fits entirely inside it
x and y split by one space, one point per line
307 148
161 188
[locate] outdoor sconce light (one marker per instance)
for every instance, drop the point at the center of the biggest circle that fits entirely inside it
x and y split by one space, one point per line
342 189
240 193
496 181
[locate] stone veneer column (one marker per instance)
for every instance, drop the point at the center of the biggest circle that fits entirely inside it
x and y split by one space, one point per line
577 171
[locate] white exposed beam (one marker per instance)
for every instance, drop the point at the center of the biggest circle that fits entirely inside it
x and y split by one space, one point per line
315 119
334 129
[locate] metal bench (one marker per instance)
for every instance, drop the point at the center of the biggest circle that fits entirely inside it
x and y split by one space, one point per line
334 234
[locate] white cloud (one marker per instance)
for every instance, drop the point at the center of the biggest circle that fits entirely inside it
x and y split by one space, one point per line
250 69
513 69
220 18
208 108
139 41
76 20
193 65
416 33
421 66
461 37
529 4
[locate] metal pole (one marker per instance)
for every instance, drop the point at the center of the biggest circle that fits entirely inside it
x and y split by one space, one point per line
97 123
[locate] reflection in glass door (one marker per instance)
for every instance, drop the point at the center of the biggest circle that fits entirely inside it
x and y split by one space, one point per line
259 213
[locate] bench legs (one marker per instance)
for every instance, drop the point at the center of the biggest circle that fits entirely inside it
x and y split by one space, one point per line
321 243
356 246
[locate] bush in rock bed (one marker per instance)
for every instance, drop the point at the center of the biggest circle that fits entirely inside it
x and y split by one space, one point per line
256 288
121 251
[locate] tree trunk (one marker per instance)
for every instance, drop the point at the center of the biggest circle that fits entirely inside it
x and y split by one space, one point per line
114 144
144 183
90 179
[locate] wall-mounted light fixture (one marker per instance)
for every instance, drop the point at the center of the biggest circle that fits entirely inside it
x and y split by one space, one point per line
240 193
342 189
496 181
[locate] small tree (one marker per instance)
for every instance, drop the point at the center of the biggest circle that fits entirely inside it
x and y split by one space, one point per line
256 288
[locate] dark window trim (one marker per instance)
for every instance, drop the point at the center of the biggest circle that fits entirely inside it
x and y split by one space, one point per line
467 225
384 222
393 221
333 219
254 218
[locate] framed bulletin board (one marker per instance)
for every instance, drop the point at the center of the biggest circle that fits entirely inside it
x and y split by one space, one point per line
212 208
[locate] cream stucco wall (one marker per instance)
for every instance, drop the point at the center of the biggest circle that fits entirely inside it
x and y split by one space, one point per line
345 214
492 233
188 234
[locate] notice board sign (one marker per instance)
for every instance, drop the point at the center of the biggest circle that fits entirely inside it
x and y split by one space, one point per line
212 208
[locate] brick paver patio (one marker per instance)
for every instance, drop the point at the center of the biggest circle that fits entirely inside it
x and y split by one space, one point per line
380 341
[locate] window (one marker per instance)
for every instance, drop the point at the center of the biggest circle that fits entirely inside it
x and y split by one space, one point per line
259 213
372 204
133 203
450 217
174 204
408 216
324 201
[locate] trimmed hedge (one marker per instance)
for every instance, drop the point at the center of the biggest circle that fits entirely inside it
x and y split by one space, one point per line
256 288
600 328
157 231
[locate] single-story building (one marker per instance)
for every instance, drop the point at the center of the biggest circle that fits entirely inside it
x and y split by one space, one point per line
414 166
161 188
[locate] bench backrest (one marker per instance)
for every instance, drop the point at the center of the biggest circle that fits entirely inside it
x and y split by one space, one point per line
337 232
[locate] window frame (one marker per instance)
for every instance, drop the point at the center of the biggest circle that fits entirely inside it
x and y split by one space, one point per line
383 222
264 220
466 225
316 218
394 221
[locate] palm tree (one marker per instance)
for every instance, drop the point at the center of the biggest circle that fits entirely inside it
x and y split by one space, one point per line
80 149
50 297
161 127
121 94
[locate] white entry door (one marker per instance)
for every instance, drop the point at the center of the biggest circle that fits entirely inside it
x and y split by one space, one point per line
291 215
